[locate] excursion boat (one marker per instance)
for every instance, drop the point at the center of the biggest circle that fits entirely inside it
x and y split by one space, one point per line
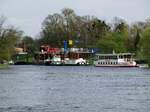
115 60
56 60
61 57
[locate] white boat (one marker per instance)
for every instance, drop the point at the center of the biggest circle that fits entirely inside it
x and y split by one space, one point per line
79 61
56 60
115 60
143 65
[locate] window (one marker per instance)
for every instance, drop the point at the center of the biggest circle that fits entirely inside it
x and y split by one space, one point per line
121 57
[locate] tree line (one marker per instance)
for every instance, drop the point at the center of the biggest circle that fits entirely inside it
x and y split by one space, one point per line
84 31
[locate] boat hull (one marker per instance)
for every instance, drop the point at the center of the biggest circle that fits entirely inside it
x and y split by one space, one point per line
116 65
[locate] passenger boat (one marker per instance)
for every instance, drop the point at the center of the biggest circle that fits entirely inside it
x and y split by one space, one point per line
61 57
115 60
56 60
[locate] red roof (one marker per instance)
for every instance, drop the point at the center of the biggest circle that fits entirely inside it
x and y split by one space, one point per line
53 50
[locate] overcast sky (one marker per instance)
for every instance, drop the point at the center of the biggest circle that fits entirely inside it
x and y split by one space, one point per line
29 14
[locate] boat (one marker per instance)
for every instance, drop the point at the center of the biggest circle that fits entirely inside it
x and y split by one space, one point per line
61 57
143 65
56 60
78 61
115 60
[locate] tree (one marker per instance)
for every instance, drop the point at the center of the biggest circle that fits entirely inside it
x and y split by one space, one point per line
53 30
65 26
134 38
144 45
99 29
29 44
112 42
8 38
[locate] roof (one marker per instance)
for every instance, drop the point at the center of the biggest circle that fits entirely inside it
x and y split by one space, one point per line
115 54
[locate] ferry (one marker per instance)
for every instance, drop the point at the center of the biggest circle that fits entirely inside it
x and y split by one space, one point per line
115 60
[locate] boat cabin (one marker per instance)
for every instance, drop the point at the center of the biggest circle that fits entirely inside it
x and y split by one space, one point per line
120 59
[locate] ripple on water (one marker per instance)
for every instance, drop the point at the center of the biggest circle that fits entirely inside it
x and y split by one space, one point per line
74 89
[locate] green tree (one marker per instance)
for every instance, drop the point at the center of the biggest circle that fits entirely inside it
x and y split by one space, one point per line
112 41
29 44
53 31
83 30
8 38
144 45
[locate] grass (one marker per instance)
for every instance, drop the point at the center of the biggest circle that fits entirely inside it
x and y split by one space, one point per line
3 66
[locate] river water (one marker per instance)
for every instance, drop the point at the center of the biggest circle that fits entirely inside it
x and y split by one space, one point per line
74 89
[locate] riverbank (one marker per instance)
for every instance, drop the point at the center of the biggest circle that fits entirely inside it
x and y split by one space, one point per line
3 66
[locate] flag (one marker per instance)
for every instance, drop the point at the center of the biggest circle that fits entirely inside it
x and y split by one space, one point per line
70 42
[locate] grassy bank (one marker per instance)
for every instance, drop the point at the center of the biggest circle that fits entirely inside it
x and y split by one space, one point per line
3 66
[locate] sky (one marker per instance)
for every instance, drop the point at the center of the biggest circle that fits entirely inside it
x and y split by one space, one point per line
28 15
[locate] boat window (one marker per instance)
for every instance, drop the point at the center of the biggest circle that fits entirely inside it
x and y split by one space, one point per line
96 57
121 57
128 56
102 57
114 57
99 57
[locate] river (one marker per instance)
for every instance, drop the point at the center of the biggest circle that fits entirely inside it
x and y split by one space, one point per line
74 89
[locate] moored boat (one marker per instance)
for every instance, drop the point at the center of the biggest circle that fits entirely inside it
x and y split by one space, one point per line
61 57
115 60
